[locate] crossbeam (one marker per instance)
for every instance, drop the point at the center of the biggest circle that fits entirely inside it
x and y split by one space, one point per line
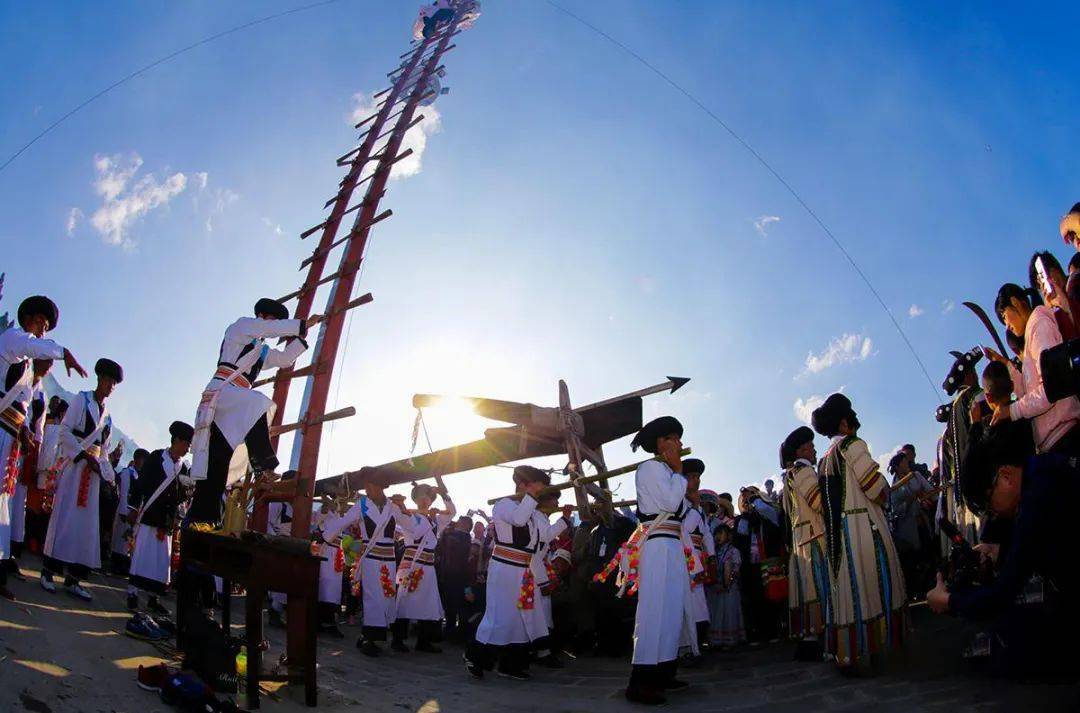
345 269
319 253
300 373
383 166
332 416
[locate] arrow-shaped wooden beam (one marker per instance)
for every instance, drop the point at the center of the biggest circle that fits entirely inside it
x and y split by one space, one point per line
673 384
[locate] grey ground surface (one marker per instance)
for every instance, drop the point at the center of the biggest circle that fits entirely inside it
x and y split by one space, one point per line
59 654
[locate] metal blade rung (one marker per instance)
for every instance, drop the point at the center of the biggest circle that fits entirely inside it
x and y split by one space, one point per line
376 96
319 253
304 288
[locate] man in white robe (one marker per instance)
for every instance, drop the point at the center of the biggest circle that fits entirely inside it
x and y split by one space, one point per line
73 544
120 556
376 568
232 425
512 619
663 581
418 587
155 499
18 346
696 529
30 442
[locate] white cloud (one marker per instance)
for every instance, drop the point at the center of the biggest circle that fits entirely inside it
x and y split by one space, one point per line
201 178
761 225
124 202
915 311
273 226
415 139
847 348
803 408
74 216
947 306
223 198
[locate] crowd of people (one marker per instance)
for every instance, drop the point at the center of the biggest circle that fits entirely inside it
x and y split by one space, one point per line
832 557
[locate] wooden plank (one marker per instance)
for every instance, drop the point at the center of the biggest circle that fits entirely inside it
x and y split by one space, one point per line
288 374
332 276
332 416
380 217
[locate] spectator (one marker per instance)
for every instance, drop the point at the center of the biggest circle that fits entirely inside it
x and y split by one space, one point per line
1049 280
1054 425
453 556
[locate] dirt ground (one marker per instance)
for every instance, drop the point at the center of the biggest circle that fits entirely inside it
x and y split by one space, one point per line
58 654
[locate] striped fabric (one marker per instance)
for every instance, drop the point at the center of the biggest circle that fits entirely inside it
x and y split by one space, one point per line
224 372
382 553
511 555
11 420
667 529
426 556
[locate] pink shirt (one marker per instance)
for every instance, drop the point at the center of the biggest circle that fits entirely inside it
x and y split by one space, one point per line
1049 422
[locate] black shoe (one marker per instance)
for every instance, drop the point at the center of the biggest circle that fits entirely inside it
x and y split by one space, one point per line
516 675
368 648
399 646
675 684
331 630
428 648
153 605
133 602
475 670
550 661
645 696
16 572
6 593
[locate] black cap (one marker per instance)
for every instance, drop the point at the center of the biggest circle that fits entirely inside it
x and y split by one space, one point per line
528 474
1008 443
271 307
139 453
38 304
827 417
964 362
693 465
794 441
653 431
181 431
109 368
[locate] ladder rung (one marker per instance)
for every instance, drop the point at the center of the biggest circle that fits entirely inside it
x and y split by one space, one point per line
304 288
289 374
319 253
376 114
376 96
332 416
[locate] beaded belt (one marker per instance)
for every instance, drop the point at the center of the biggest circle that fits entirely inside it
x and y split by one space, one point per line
224 372
511 556
12 419
426 556
667 529
382 553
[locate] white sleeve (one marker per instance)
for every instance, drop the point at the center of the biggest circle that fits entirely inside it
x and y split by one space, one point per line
33 347
516 514
559 527
286 355
335 524
667 489
249 328
405 522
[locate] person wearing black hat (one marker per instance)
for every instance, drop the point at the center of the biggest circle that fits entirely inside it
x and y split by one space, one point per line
512 619
418 594
376 567
808 570
699 534
73 543
120 551
1038 495
867 610
232 424
662 620
18 346
155 498
25 472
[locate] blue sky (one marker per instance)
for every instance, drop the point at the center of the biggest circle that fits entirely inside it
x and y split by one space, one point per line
573 217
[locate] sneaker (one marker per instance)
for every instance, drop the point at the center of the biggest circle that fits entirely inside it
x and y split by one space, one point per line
164 623
16 572
151 678
139 627
184 690
515 675
79 591
133 602
47 584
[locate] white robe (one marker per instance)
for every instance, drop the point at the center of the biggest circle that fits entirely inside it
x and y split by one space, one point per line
424 603
694 524
329 575
151 557
74 532
380 605
548 534
661 620
17 348
503 622
18 503
237 408
50 450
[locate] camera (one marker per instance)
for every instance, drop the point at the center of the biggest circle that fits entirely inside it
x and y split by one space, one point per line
964 569
1061 370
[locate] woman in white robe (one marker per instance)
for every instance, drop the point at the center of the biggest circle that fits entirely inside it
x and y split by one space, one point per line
73 544
232 425
512 619
663 581
418 596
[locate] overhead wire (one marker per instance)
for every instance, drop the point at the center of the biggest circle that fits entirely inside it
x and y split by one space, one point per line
768 167
161 60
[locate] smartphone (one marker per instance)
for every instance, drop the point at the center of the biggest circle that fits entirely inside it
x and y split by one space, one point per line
1044 277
